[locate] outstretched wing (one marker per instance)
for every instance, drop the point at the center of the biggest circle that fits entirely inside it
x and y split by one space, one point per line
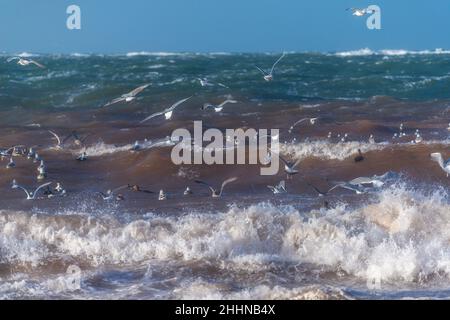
138 90
40 187
119 188
16 186
37 64
56 137
276 62
205 184
12 59
262 71
176 104
225 102
227 182
114 101
154 115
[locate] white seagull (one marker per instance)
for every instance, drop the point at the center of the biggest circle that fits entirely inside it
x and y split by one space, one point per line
128 97
280 188
30 195
214 192
360 12
206 83
219 107
167 112
289 167
25 62
312 121
445 165
269 76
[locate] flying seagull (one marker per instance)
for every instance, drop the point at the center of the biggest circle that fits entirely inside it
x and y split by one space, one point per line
30 195
360 12
311 121
109 195
280 188
128 97
25 62
206 83
269 76
289 167
167 112
445 165
219 107
214 192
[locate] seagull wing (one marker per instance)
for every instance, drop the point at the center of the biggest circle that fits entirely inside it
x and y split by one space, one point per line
138 90
16 186
12 59
207 105
154 115
438 158
225 102
40 187
205 184
227 182
114 101
37 64
176 104
276 62
318 190
284 160
298 122
56 137
118 189
297 163
262 71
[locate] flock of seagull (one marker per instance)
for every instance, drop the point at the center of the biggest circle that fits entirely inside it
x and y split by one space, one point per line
357 185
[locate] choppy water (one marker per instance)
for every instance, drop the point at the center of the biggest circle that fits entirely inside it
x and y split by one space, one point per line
249 244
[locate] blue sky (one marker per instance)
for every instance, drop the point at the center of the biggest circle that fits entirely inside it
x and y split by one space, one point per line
116 26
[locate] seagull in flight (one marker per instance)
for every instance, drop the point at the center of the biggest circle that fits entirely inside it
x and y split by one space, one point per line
25 62
269 76
280 188
312 121
215 193
219 107
206 83
30 195
109 195
167 112
445 165
289 167
360 12
128 97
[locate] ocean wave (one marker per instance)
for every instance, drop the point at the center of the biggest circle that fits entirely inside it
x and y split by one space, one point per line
389 52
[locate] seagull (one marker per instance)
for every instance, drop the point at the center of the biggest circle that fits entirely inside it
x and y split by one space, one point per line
25 62
167 112
345 185
445 165
136 188
37 158
214 192
162 196
371 139
42 173
289 167
30 195
360 12
361 181
82 157
280 188
311 120
31 153
60 190
58 139
206 83
219 107
128 97
269 76
359 157
136 146
109 195
11 163
187 192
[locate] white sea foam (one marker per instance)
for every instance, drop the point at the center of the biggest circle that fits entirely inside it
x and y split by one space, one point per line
389 52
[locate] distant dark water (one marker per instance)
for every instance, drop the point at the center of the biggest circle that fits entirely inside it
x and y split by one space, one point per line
250 244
